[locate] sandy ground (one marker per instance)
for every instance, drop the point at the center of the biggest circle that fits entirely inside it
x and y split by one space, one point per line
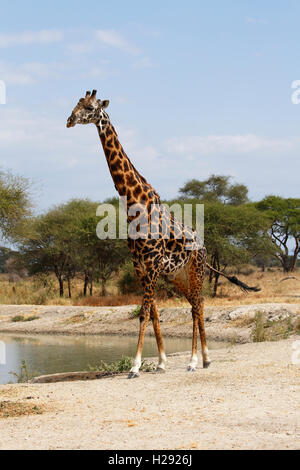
248 399
220 321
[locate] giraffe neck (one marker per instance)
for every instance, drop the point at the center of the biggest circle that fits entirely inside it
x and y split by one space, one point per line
128 182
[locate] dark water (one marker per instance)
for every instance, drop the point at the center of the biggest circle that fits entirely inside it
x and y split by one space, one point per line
49 354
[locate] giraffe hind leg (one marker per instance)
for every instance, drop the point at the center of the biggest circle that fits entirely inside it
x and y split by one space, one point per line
189 281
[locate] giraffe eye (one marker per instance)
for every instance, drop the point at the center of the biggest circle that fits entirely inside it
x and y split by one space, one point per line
90 108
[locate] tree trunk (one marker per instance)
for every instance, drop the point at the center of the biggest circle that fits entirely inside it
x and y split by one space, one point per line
295 255
285 263
69 288
91 287
216 284
211 273
61 287
216 265
103 288
85 285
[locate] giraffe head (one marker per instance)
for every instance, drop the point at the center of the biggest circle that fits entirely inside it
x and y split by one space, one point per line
90 110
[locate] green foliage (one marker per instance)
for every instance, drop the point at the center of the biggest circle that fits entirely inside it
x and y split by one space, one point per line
15 204
233 235
128 282
18 318
21 318
284 226
32 317
64 241
135 313
5 254
216 188
24 375
297 326
258 332
123 365
267 330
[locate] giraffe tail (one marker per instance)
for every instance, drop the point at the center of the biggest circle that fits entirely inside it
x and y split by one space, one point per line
235 280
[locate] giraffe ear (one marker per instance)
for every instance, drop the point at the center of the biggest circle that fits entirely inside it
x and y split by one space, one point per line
105 103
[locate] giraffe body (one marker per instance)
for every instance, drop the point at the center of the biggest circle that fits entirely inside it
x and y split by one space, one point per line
171 249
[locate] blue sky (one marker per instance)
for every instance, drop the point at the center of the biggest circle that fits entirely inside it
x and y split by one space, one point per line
195 88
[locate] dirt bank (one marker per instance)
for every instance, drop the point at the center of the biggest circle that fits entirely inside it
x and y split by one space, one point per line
225 324
247 399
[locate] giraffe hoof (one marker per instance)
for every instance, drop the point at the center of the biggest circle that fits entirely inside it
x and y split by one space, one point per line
206 364
191 369
159 370
133 375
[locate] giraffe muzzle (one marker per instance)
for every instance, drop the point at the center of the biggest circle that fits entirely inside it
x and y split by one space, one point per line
71 122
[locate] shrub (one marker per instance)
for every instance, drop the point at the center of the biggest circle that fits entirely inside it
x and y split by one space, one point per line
258 332
31 318
129 282
267 330
123 365
135 313
24 375
17 318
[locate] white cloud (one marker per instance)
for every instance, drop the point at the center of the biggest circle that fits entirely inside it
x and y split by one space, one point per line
30 72
252 20
71 162
144 63
82 47
115 39
30 37
40 134
233 144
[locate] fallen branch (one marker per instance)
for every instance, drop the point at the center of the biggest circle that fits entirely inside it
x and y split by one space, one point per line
289 277
71 376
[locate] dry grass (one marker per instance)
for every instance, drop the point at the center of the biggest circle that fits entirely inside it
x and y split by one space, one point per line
76 318
12 409
273 289
266 330
109 300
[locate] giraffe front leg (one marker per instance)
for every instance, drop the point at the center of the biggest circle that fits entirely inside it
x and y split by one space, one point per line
148 282
194 357
144 318
162 358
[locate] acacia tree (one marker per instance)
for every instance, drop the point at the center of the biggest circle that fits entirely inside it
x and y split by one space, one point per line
95 258
15 204
45 245
5 254
233 235
284 228
216 188
64 241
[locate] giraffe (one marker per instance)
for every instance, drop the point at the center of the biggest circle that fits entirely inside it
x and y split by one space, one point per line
171 249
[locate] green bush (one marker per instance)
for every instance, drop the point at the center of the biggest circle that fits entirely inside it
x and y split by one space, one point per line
17 318
135 313
24 375
129 282
123 365
267 330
